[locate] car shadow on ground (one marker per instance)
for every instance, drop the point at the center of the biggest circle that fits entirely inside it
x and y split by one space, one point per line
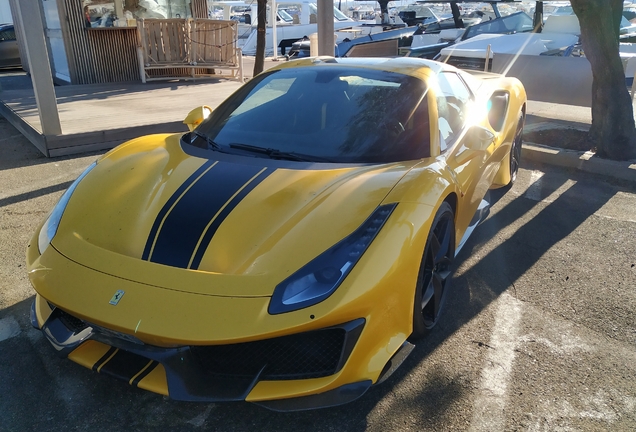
499 268
57 393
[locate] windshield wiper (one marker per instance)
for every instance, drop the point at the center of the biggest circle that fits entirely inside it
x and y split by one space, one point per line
277 154
211 144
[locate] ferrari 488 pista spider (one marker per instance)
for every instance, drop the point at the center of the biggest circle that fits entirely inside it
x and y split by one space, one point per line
290 247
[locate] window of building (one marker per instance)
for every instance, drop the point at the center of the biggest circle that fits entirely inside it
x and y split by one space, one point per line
124 13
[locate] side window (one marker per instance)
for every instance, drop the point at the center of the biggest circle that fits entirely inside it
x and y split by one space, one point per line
452 106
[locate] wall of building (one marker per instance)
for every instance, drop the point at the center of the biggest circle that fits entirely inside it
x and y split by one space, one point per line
5 12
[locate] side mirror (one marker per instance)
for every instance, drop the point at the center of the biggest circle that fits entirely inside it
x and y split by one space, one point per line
479 138
196 116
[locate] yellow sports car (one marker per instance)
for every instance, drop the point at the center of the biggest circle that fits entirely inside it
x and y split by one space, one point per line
290 247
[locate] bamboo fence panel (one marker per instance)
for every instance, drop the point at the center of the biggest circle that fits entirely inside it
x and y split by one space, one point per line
187 48
163 41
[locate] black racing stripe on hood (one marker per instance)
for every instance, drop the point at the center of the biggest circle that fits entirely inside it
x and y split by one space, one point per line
187 222
207 237
169 203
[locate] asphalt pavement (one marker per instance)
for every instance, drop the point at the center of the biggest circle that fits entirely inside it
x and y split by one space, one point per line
539 333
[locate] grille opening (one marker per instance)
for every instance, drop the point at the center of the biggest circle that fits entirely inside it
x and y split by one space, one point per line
74 324
300 356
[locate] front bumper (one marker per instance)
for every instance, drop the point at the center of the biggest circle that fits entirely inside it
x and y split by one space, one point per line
214 373
168 319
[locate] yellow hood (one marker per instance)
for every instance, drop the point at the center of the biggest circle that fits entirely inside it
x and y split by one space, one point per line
154 214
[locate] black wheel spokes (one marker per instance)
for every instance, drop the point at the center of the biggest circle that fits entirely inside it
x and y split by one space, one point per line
514 164
515 154
435 248
438 285
437 270
428 293
518 148
443 238
444 269
429 268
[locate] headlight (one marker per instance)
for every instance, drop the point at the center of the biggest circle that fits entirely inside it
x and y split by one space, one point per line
321 277
52 222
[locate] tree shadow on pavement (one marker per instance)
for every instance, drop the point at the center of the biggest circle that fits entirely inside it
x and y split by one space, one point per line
498 269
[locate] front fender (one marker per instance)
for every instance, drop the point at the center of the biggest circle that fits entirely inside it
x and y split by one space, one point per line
428 183
516 107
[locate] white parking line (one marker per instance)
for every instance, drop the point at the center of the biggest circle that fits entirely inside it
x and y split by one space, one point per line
534 191
9 328
200 420
491 397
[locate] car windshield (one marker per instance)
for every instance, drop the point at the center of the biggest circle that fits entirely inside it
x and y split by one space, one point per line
420 11
324 113
339 16
284 16
516 23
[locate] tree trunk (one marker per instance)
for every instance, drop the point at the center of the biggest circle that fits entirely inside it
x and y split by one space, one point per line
259 62
613 131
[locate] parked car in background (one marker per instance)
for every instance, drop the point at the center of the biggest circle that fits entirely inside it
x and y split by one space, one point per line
9 53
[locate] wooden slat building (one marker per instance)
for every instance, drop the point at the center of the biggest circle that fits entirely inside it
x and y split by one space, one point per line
81 55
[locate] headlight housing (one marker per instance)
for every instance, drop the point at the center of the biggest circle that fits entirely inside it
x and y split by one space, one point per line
319 278
48 230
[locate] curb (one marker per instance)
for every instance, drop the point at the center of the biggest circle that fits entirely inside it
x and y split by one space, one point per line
583 161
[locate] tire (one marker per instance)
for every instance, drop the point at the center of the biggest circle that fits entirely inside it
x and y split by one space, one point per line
435 273
515 150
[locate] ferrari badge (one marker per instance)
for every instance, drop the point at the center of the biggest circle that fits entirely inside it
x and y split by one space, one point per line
118 295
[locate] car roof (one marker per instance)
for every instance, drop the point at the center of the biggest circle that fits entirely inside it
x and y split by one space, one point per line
416 67
5 26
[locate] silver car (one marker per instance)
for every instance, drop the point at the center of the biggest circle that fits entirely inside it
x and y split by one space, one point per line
9 54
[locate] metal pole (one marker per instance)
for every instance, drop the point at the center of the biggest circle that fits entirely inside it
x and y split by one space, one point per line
487 63
325 28
39 65
140 60
240 62
274 38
